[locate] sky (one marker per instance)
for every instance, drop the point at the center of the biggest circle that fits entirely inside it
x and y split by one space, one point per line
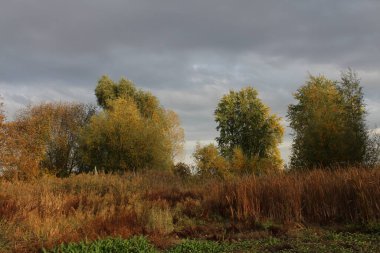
188 53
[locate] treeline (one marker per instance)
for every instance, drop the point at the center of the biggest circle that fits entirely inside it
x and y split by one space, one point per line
130 130
329 131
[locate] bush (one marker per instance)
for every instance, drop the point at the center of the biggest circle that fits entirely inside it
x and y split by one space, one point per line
209 162
182 170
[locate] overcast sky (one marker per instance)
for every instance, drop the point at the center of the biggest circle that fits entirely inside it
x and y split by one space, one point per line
188 53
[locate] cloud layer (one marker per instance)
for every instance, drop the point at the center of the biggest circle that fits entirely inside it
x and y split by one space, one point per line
189 53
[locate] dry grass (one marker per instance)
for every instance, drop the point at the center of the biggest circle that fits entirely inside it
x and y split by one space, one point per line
48 211
322 197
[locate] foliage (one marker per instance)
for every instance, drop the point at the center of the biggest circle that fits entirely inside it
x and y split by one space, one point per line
133 132
120 139
24 146
65 123
136 244
107 91
182 170
318 124
45 136
209 162
328 122
306 240
245 122
356 133
40 136
372 157
242 165
174 132
198 246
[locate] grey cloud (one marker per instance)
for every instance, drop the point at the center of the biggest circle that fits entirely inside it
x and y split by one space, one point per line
341 32
189 53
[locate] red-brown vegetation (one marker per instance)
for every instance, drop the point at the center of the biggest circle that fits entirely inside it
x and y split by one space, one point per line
48 211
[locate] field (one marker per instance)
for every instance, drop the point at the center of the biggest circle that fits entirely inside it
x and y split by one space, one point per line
318 211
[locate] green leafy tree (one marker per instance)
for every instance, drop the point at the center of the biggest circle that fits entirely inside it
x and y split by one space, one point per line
244 122
356 132
107 91
328 123
318 122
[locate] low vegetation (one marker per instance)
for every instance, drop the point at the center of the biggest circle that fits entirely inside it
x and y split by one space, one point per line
304 242
166 209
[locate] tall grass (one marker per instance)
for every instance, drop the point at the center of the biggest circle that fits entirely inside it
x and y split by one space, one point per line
337 196
49 211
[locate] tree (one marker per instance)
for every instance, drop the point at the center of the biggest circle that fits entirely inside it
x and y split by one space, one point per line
107 91
46 136
242 165
182 170
244 122
121 139
66 120
174 133
163 126
24 147
372 157
329 123
356 132
209 162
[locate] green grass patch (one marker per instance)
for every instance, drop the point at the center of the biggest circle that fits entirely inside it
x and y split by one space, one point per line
305 241
194 246
137 244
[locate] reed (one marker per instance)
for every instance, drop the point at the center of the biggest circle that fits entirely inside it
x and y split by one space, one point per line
49 211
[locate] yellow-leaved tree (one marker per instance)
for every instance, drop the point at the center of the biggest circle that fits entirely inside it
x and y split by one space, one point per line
328 122
133 132
209 162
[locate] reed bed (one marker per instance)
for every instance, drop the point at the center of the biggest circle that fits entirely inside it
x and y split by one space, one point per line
49 211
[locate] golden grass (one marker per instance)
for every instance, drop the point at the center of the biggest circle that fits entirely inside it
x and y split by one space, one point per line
48 211
322 197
